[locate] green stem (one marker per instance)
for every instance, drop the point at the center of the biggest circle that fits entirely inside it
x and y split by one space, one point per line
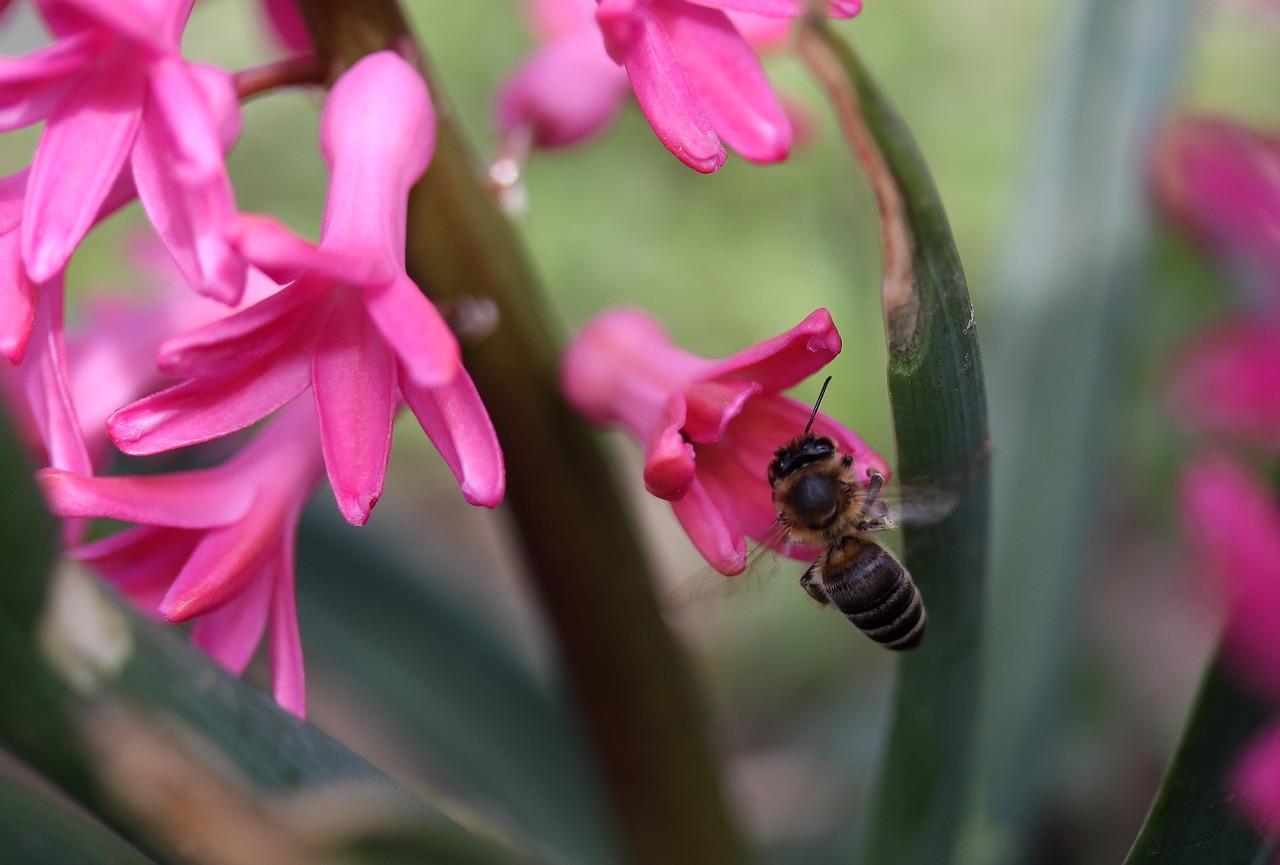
628 677
939 412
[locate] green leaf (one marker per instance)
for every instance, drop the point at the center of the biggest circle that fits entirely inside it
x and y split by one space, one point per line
155 738
939 412
1193 820
489 730
37 828
1072 261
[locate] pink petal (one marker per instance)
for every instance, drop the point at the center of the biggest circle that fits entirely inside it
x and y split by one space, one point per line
224 564
377 134
455 420
183 184
231 633
85 143
354 378
284 256
728 82
201 409
720 543
229 344
735 479
17 299
1234 523
564 93
669 467
711 405
288 26
48 390
785 360
1228 381
1255 781
415 331
287 672
156 24
192 500
551 19
669 99
782 8
140 562
32 85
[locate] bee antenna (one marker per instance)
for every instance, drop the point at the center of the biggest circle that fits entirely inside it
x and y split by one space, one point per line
817 403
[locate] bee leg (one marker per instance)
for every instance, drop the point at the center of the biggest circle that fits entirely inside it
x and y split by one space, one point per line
811 582
875 481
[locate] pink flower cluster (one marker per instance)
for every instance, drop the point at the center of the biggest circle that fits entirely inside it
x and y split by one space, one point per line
690 63
708 427
252 322
1221 181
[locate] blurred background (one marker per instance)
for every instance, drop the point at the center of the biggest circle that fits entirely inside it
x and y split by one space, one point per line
1080 301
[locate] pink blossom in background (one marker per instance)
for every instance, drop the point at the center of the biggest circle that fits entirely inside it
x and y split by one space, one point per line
286 24
351 326
211 545
1220 181
112 90
691 65
1234 524
708 427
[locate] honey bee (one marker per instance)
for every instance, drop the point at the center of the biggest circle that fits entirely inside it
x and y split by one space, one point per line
821 504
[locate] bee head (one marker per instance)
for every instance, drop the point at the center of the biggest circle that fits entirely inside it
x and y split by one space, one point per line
805 450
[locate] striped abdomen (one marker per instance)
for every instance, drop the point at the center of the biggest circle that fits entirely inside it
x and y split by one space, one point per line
875 592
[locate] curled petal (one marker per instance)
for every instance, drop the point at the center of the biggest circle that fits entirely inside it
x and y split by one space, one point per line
669 99
669 466
224 563
354 378
31 86
228 344
183 183
707 526
735 480
77 163
190 500
457 423
711 405
729 83
17 300
198 410
413 328
283 255
287 673
140 562
785 360
231 633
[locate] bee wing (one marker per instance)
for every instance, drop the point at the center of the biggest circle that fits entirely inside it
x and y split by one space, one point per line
709 585
917 505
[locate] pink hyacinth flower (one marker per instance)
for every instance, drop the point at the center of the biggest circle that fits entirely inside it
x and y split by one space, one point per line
709 427
211 545
114 90
697 80
1234 522
1221 181
351 326
1226 380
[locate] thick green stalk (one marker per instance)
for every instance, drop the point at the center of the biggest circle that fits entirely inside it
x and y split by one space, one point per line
629 679
939 412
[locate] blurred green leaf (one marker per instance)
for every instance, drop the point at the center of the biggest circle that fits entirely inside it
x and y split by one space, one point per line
488 728
38 829
155 738
1062 326
1192 820
939 411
